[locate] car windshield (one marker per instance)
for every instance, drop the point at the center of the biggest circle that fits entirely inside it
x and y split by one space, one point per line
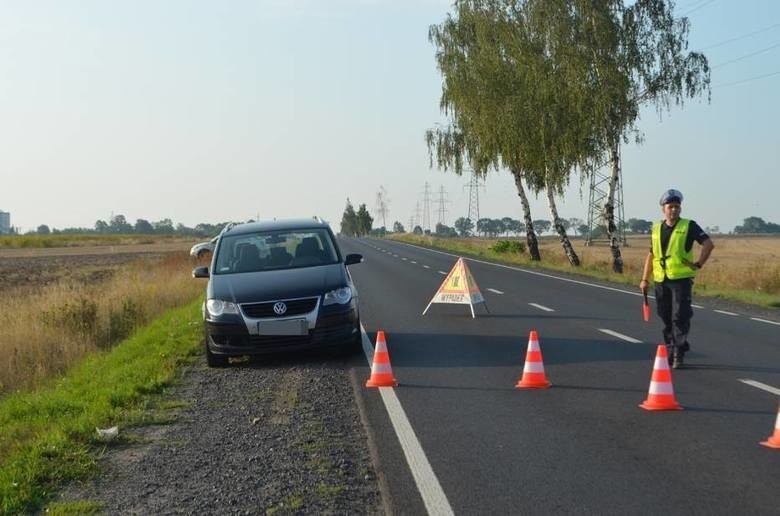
274 250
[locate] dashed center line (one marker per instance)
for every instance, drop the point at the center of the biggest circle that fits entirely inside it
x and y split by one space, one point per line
697 306
724 312
442 273
404 258
412 261
759 385
765 321
426 266
541 307
620 336
495 291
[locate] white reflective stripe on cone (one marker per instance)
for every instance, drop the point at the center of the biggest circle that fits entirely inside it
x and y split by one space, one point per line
381 368
661 363
661 388
534 367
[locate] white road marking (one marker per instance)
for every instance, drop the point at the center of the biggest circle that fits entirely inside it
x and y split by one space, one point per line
759 385
413 262
541 307
432 494
404 259
442 273
765 320
568 280
495 291
620 336
724 312
426 266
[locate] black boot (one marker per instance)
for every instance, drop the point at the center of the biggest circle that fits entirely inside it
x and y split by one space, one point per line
677 361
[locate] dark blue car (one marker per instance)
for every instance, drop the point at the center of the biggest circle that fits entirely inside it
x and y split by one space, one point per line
278 286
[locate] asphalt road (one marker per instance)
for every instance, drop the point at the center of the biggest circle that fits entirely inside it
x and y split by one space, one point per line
582 446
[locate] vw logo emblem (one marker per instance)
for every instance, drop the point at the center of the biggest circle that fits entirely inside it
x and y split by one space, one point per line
280 308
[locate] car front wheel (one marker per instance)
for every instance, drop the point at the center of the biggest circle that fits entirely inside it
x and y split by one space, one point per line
215 360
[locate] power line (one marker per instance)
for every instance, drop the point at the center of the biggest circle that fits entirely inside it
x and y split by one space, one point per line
732 40
698 7
746 80
740 58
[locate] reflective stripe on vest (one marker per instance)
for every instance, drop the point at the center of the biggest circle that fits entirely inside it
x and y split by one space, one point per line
671 265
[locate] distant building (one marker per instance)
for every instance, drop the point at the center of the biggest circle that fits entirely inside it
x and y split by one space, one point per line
5 223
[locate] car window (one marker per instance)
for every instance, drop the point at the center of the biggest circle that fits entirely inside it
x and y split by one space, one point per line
273 250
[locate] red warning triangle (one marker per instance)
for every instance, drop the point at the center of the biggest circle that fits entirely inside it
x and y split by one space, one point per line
459 287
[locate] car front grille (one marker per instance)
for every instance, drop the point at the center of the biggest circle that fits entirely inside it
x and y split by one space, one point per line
294 307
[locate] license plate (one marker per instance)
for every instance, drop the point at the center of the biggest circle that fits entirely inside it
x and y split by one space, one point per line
287 327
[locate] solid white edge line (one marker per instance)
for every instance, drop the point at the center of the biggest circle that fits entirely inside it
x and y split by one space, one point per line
620 336
559 278
432 494
495 291
541 307
765 321
603 287
759 385
724 312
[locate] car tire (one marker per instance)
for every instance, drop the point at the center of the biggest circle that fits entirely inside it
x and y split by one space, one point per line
213 360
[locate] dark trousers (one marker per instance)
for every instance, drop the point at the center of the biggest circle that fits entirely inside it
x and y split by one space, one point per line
673 304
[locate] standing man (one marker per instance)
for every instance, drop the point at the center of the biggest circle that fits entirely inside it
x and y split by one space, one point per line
672 265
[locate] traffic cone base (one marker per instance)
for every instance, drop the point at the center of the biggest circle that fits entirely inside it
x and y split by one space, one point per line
533 370
773 441
660 395
381 371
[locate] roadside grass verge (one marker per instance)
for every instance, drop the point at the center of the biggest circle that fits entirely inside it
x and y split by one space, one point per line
46 331
740 269
48 437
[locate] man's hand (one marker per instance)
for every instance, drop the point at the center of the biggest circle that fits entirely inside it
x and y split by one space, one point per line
692 265
643 285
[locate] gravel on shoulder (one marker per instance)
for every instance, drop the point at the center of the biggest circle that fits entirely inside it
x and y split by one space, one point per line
282 436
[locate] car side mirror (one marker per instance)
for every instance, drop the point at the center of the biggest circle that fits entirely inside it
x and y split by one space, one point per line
353 258
200 272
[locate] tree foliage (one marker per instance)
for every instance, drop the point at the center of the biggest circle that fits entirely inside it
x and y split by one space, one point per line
756 225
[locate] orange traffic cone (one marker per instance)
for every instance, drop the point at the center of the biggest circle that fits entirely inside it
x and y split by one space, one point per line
533 370
381 372
773 441
660 396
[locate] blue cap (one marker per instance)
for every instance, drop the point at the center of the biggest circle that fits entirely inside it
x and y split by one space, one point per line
671 195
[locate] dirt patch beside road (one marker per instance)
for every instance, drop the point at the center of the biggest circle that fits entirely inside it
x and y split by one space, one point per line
33 268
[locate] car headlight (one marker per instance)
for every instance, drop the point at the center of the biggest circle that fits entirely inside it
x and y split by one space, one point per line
217 307
340 295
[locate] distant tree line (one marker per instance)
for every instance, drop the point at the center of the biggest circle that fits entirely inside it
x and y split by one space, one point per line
756 225
118 225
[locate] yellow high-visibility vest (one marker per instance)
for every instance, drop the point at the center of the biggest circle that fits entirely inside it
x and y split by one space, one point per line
671 264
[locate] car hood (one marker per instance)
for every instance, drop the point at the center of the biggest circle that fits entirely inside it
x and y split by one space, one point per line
253 287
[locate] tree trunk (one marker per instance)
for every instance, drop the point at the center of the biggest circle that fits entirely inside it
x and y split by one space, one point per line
558 225
533 244
609 206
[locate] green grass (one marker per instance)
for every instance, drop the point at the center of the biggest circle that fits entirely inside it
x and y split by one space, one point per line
81 240
47 436
80 508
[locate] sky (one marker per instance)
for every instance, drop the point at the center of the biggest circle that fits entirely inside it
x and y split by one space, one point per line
202 111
